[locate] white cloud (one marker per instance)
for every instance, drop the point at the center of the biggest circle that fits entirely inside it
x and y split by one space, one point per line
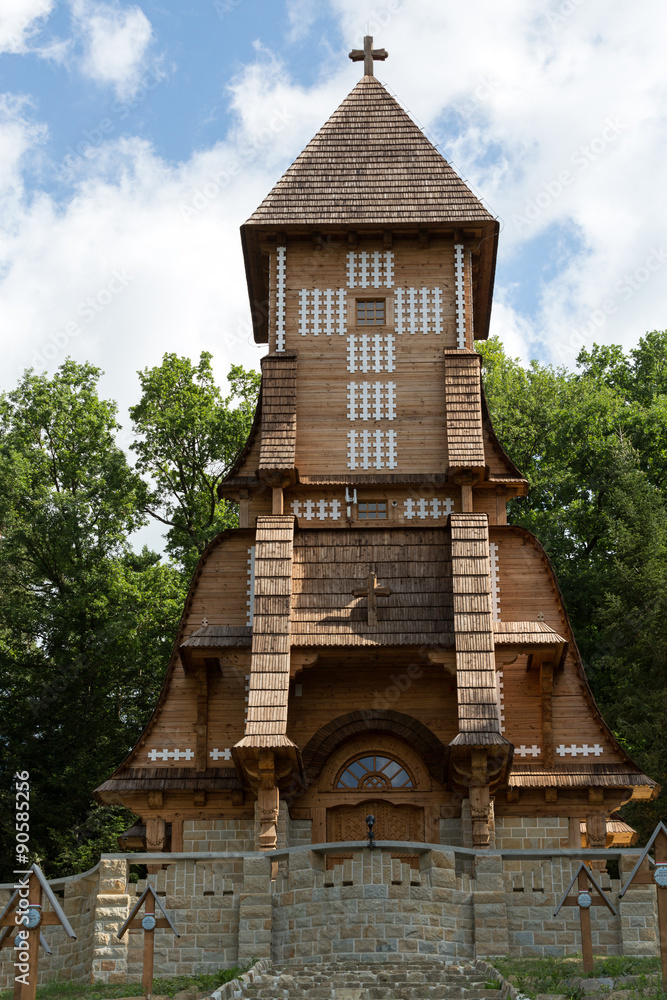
115 41
20 20
572 87
301 15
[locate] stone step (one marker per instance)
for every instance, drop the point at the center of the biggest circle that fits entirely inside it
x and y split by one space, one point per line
359 981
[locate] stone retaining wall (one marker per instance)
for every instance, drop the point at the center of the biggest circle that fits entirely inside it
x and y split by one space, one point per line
289 907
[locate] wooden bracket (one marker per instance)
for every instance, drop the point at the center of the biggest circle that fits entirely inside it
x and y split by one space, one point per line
387 239
300 660
352 240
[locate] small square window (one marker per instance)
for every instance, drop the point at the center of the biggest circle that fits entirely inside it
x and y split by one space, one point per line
372 510
370 312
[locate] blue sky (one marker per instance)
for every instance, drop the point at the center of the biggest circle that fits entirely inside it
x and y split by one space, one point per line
136 137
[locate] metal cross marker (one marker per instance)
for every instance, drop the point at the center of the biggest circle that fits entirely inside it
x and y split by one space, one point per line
372 592
368 54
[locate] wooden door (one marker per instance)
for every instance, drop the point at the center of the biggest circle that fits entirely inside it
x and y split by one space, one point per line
348 822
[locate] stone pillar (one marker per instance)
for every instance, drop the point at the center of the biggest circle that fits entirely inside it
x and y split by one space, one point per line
112 907
491 931
638 912
255 913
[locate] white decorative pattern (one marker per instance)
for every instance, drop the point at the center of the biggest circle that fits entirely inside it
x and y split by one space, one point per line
250 592
318 509
418 310
495 582
370 352
423 507
350 498
575 751
173 754
459 275
281 271
371 400
524 751
225 754
322 310
500 695
374 269
371 449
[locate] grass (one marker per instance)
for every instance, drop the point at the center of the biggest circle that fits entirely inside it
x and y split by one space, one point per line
552 975
65 989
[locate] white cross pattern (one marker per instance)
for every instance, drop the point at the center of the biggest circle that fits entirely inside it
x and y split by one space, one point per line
418 310
423 507
460 295
225 754
371 449
370 352
584 751
250 590
524 751
319 509
370 269
371 400
173 754
280 298
322 310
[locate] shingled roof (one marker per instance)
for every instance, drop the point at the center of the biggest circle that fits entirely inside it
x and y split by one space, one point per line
370 163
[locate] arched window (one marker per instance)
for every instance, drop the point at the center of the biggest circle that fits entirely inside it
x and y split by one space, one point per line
373 771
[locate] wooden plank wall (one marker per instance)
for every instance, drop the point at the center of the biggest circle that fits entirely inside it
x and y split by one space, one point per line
528 593
322 394
330 564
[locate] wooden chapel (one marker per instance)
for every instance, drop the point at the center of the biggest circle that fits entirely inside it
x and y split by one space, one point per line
374 637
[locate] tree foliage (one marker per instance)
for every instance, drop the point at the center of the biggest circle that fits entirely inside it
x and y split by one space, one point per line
86 626
188 438
593 446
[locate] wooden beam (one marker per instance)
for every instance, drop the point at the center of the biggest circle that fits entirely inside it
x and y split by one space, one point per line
201 726
546 696
277 500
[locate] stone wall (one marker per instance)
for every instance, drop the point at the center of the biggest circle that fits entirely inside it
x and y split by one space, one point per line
290 907
218 835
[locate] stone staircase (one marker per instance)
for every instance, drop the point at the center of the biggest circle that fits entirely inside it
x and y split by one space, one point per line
363 981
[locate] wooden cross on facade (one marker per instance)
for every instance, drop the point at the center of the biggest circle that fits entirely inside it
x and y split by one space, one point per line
149 923
372 592
657 877
584 899
24 916
368 54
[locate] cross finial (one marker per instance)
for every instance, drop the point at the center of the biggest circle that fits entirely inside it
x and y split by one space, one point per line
368 54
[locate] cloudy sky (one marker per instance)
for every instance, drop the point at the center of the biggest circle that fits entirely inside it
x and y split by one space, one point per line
135 138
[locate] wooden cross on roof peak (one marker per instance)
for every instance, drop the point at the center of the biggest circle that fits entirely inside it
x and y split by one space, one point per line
368 54
372 592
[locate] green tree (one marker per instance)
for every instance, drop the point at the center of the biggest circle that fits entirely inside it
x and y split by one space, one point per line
593 446
86 625
188 438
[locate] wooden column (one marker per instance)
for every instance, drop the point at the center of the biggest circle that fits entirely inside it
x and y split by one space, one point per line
201 726
585 922
27 991
277 500
546 695
268 801
149 951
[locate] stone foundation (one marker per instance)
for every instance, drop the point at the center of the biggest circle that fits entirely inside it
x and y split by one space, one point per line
288 907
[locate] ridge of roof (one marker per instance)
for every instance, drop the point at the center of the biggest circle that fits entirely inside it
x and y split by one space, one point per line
370 163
